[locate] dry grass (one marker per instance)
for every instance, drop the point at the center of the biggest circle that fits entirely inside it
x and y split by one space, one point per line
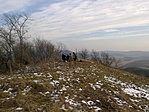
58 88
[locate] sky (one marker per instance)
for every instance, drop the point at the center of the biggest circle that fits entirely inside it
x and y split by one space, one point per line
119 25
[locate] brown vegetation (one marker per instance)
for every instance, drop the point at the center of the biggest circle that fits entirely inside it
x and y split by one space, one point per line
87 86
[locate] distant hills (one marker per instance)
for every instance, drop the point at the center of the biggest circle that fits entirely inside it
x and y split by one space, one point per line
129 53
136 62
133 61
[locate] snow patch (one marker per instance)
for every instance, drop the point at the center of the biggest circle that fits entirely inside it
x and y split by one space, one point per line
19 108
137 93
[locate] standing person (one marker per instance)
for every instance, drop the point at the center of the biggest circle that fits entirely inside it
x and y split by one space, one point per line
67 57
64 57
74 56
70 60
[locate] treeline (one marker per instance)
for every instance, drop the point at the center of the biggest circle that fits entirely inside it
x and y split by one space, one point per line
16 51
101 57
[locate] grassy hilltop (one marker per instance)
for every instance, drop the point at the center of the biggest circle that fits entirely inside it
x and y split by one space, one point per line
84 87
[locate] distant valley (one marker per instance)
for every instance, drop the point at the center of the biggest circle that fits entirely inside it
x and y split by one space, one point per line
133 61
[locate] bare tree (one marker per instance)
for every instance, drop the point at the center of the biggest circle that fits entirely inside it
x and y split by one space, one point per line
7 38
60 47
44 49
3 60
29 53
116 63
12 29
17 23
106 59
84 53
95 56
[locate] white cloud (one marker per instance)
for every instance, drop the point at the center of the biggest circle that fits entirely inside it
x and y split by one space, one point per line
13 5
98 38
110 30
78 16
92 21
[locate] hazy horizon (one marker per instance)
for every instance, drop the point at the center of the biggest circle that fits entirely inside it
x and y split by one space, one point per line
91 24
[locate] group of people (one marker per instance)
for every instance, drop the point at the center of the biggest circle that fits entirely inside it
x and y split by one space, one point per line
69 57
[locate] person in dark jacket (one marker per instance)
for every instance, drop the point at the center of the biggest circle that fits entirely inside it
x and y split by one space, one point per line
64 57
74 56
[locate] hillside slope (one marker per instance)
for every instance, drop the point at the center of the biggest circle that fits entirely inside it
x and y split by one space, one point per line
85 86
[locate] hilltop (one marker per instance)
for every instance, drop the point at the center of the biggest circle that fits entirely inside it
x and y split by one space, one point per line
85 86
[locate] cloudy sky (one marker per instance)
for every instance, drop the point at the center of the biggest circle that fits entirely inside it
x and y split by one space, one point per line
92 24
